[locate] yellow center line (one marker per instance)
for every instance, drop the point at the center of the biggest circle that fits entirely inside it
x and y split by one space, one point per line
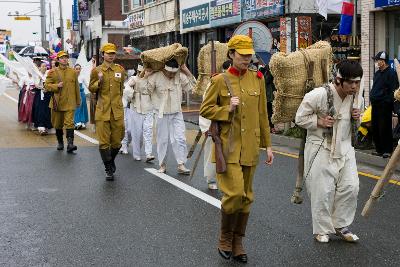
360 173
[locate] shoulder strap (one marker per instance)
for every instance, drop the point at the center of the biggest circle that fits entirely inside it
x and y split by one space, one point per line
228 84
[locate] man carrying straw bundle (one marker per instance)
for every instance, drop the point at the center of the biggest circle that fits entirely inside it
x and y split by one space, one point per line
330 165
237 100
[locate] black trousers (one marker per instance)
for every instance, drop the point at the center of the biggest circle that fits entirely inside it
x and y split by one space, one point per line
269 110
381 120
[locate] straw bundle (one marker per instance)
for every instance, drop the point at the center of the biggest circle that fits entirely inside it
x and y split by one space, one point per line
290 77
204 64
156 58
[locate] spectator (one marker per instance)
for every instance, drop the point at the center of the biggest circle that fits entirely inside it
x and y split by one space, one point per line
381 96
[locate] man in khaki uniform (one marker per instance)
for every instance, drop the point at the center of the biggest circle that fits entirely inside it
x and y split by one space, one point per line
107 80
246 111
63 82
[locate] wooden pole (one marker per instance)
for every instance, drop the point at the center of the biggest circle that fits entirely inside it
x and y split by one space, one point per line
385 178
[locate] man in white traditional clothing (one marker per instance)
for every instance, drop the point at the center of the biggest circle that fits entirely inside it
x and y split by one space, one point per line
141 114
330 164
166 88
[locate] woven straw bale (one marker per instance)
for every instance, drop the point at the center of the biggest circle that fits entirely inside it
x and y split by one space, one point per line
156 58
290 77
204 64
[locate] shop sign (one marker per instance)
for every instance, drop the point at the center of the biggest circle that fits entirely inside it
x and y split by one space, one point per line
224 12
83 9
136 20
385 3
304 32
137 33
195 16
262 8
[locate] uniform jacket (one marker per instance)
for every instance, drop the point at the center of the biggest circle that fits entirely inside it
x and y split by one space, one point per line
166 94
250 122
69 95
109 91
136 93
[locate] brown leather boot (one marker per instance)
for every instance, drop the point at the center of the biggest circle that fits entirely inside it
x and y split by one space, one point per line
226 235
238 233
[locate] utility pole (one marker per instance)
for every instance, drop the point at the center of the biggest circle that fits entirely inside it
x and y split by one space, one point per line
61 25
43 23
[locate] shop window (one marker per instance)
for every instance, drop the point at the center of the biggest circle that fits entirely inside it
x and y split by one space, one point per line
393 36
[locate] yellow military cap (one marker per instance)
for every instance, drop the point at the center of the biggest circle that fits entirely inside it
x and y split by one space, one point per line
109 48
243 44
62 53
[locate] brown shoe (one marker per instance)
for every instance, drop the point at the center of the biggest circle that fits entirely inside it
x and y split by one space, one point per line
226 235
239 231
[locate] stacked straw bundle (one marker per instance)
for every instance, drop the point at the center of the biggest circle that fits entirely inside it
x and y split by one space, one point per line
290 77
204 64
397 68
156 58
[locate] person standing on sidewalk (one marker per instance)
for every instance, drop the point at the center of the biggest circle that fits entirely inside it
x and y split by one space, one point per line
81 114
165 88
244 130
330 167
107 80
62 81
382 99
141 114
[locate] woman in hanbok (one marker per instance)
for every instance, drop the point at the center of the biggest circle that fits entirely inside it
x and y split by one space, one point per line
81 113
26 98
42 112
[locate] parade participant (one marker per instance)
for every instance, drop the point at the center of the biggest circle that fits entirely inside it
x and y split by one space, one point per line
26 99
62 81
42 110
237 100
166 88
141 114
81 113
107 80
209 167
127 115
330 165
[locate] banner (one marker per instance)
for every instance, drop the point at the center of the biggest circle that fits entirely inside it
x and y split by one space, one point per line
262 8
224 12
195 16
385 3
83 9
304 32
283 35
136 20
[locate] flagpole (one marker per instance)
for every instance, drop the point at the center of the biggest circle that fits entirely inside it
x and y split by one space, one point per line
354 25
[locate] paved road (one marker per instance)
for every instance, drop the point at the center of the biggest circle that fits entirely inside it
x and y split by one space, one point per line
57 210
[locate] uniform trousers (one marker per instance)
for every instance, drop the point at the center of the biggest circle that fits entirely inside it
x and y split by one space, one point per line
141 130
127 136
171 127
63 119
110 133
237 185
209 166
332 186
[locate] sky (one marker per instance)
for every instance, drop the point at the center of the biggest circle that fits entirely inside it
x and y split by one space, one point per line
23 31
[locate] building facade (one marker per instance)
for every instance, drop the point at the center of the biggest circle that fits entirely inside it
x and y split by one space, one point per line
380 21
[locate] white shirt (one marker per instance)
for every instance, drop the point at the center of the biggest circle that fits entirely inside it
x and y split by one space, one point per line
136 93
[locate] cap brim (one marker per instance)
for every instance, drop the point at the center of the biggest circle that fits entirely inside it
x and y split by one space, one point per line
246 51
110 51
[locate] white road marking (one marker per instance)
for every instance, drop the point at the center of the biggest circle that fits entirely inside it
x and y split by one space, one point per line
10 97
81 135
187 188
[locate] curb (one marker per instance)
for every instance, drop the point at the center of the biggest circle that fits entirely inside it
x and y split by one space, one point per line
361 157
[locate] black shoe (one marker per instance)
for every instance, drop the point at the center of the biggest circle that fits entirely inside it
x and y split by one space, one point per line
70 138
107 161
225 254
386 155
379 154
114 153
60 140
241 258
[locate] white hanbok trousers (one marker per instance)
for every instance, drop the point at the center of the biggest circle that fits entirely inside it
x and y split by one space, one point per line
127 137
332 186
171 127
141 129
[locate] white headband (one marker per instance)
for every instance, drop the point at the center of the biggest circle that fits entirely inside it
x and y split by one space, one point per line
139 67
338 75
170 69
